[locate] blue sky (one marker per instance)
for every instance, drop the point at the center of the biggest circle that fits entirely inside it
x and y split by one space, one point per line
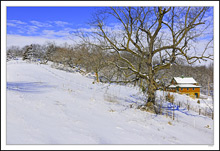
33 21
26 25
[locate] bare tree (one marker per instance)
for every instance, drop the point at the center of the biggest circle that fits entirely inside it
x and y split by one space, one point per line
97 60
28 53
38 51
81 52
15 51
50 49
146 33
90 57
9 55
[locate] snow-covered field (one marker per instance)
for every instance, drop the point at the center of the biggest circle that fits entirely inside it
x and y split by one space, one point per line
50 106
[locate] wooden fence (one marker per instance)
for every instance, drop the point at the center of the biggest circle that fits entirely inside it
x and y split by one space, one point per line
170 110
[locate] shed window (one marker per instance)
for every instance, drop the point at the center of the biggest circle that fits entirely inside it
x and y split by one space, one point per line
187 88
193 88
181 88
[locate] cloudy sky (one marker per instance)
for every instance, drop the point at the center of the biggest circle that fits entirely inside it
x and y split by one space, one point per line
26 25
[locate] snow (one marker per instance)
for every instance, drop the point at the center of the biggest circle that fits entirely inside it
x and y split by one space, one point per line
50 106
185 86
172 86
187 80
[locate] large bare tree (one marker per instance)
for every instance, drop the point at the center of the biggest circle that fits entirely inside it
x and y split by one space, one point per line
148 34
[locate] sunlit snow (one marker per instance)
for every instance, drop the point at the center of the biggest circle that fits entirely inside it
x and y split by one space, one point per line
50 106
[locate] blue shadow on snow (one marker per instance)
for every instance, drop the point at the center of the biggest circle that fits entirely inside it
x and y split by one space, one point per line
27 87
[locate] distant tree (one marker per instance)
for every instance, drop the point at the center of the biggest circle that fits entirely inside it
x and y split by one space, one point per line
28 53
81 52
9 55
50 49
38 51
90 57
97 60
15 51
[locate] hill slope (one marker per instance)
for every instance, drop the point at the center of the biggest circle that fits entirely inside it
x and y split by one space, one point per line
50 106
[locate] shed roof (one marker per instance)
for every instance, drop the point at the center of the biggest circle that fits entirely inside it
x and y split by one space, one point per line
185 86
172 86
189 86
184 80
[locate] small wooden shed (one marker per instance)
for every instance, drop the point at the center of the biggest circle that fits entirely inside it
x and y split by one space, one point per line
185 85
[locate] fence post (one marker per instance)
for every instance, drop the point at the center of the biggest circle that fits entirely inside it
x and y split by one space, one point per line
212 115
188 107
173 111
179 104
199 111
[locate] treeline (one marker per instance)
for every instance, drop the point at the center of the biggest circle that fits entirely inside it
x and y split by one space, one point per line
88 57
104 64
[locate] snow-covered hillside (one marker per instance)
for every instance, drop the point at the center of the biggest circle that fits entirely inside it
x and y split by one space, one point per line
50 106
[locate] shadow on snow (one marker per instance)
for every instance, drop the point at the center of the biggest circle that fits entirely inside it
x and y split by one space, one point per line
167 107
27 87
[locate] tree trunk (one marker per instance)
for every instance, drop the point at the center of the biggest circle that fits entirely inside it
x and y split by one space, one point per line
151 97
151 92
151 88
97 76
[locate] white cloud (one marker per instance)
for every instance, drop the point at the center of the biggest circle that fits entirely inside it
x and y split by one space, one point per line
53 34
16 22
18 40
11 24
35 27
32 29
40 24
27 29
61 23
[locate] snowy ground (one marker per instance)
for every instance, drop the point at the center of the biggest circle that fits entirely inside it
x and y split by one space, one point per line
50 106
